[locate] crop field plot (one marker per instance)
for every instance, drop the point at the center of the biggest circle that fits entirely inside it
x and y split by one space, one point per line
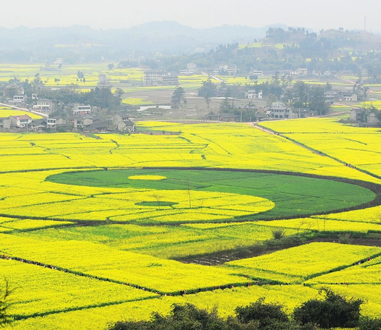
136 101
92 228
288 295
325 224
121 266
159 241
51 291
167 196
366 272
212 195
369 294
355 146
224 300
7 112
67 75
300 263
239 146
12 224
195 81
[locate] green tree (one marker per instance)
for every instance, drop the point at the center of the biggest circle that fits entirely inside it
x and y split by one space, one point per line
10 91
333 312
317 101
225 105
288 97
265 314
275 79
177 97
119 92
182 317
277 35
99 97
207 91
37 83
374 71
110 66
301 92
270 99
370 324
376 111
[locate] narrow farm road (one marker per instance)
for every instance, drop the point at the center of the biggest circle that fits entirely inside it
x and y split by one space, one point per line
315 151
24 109
263 129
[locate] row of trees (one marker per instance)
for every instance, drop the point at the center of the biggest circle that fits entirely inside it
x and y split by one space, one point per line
303 96
13 86
302 49
98 97
333 311
300 96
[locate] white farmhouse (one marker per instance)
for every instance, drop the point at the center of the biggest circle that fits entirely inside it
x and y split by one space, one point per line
82 109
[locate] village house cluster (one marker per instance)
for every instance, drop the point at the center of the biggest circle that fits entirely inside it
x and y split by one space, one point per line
277 110
365 117
81 117
80 121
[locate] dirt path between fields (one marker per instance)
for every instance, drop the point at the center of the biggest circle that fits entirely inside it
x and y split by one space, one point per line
315 151
223 257
263 129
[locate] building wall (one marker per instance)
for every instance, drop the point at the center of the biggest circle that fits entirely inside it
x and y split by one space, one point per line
372 119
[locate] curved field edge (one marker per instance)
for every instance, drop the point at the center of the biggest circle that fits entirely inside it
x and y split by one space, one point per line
269 215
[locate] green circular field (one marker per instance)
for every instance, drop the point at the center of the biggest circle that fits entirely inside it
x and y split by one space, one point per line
280 195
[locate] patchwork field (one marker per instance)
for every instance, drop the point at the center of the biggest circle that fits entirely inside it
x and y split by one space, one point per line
92 228
301 263
198 195
356 146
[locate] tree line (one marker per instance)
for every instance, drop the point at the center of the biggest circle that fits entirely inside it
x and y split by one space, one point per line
297 96
330 312
297 48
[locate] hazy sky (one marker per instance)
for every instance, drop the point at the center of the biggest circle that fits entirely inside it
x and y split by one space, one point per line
196 13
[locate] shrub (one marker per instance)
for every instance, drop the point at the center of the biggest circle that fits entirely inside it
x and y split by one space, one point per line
268 315
345 239
181 317
370 324
287 241
278 233
333 312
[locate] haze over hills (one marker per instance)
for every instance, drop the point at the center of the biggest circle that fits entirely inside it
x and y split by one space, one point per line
166 37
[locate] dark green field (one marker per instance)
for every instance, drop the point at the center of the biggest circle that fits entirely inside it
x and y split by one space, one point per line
293 196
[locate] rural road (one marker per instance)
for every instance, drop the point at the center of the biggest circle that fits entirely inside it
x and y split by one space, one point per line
317 152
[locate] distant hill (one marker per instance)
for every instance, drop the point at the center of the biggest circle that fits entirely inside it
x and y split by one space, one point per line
357 40
84 44
354 35
166 37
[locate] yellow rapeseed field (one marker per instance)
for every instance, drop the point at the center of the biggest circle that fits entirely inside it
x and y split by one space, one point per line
299 263
84 256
